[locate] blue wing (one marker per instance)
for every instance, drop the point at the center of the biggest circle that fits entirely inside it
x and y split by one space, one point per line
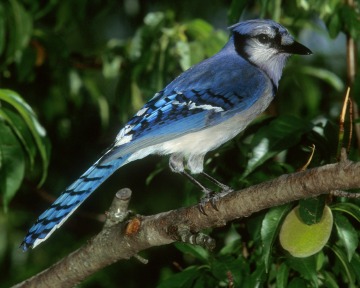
199 98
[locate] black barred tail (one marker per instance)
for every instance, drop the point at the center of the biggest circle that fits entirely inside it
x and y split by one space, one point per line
69 201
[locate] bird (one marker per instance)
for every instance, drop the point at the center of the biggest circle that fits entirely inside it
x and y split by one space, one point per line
204 107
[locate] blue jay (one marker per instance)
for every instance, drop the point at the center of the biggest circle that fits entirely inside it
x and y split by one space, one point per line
204 107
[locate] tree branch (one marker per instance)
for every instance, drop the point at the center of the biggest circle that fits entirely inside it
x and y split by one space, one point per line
125 240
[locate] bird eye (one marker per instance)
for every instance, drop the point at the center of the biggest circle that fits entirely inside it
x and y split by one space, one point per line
263 38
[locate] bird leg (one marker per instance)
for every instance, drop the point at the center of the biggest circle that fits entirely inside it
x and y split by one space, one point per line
209 194
176 165
223 187
205 190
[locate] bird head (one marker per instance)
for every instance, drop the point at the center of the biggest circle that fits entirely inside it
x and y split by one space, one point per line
266 44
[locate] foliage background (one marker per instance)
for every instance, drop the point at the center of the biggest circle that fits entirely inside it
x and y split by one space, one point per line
85 67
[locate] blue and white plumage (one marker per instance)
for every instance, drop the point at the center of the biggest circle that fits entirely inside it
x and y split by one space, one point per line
201 109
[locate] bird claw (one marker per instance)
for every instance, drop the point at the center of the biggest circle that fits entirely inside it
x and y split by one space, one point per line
210 196
201 207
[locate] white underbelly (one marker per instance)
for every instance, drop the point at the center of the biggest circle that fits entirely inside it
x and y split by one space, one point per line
211 138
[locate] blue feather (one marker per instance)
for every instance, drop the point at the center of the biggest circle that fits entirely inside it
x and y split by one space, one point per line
68 201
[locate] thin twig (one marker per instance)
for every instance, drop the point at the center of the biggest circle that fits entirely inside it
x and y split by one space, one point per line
341 193
118 210
342 121
304 167
351 124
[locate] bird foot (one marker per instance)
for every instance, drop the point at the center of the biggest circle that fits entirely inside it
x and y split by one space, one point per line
210 196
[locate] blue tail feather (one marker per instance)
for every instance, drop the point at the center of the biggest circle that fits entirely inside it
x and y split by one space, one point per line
69 200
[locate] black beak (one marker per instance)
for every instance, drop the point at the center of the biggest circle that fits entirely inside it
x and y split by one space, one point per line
296 48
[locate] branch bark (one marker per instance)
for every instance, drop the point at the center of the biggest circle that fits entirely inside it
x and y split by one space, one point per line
125 240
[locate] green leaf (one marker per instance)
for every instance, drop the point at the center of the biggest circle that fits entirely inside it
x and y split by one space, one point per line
258 277
282 133
306 267
154 19
196 251
227 264
263 7
184 278
199 29
111 65
23 134
325 75
282 276
98 97
355 263
339 253
183 50
232 242
334 25
20 29
348 208
214 42
329 280
2 28
297 283
320 260
12 164
236 9
351 17
203 280
159 168
37 131
347 234
311 209
270 228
